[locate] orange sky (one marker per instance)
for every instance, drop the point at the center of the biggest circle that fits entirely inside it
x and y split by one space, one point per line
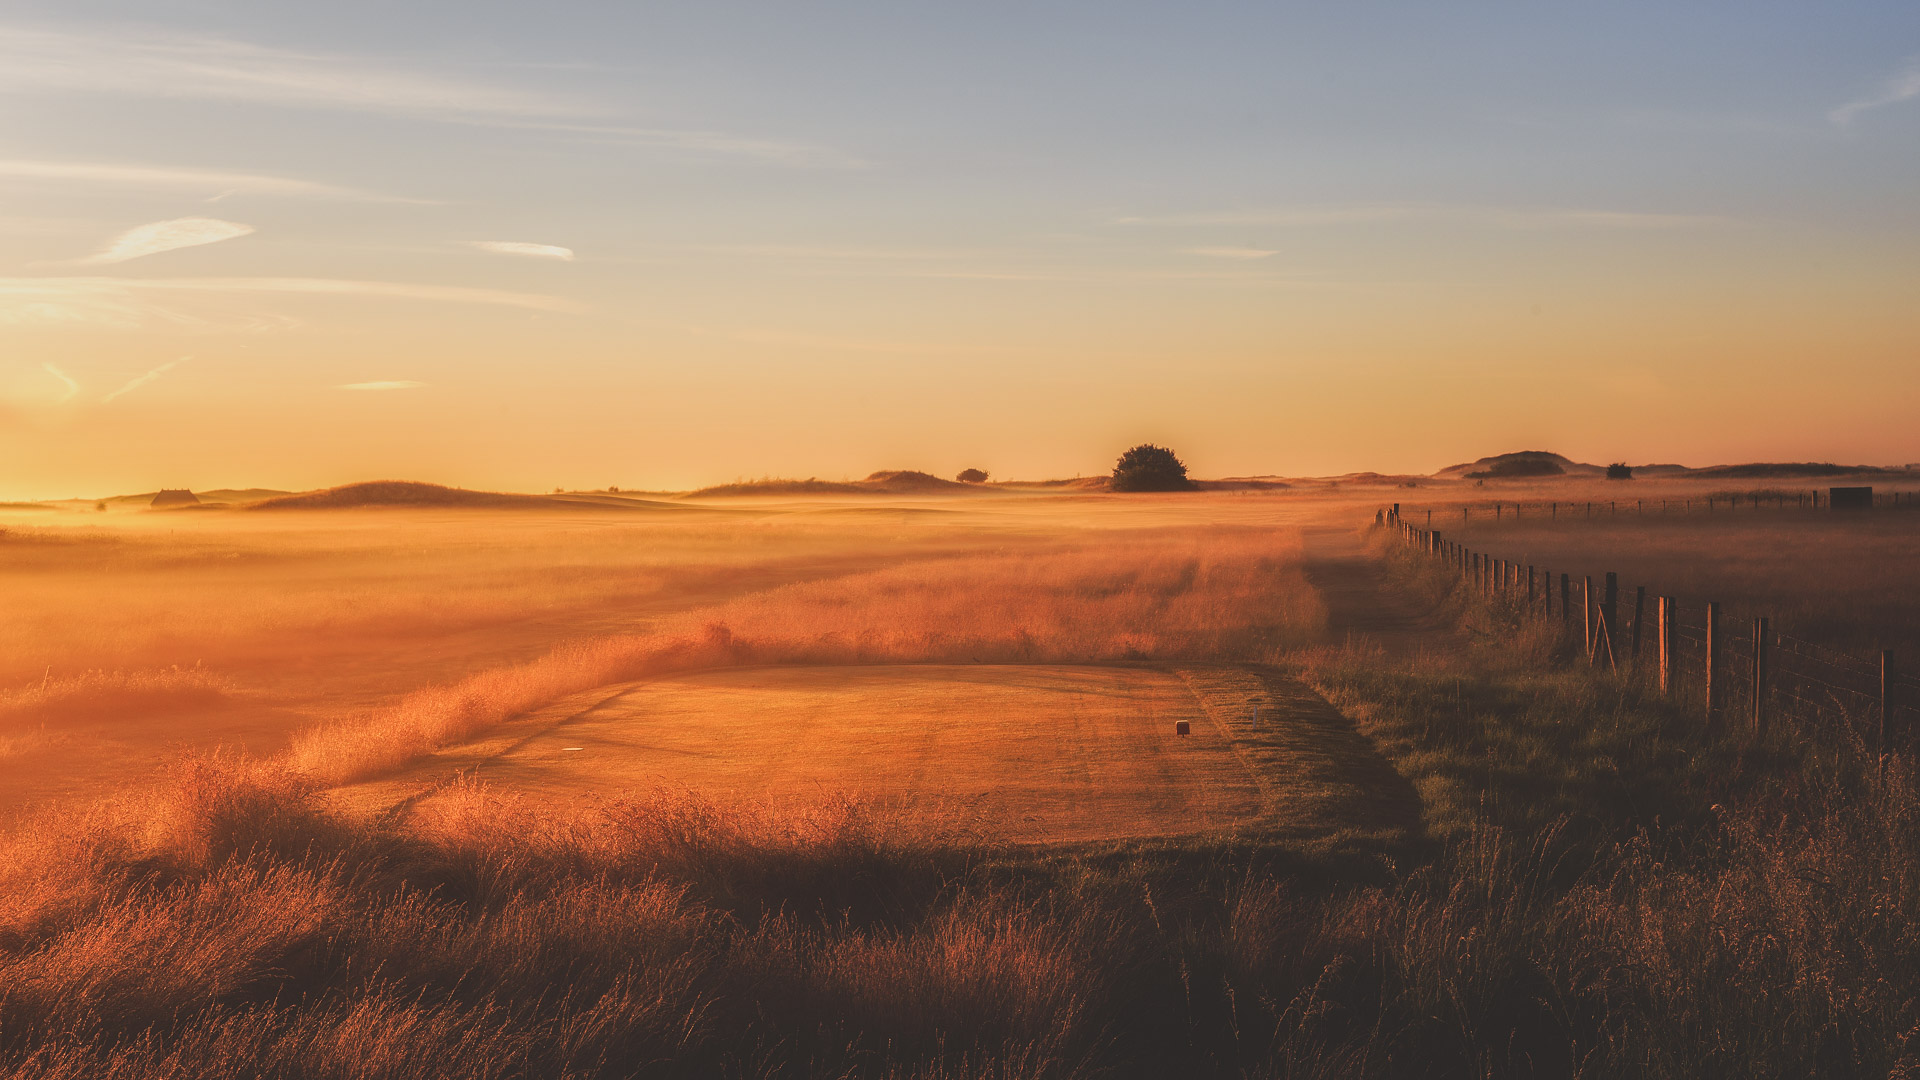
253 250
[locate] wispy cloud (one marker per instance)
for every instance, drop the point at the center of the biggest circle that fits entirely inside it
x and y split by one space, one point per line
796 340
1232 252
851 254
218 181
159 236
385 384
72 387
137 383
1902 87
156 64
122 61
1501 216
131 303
532 251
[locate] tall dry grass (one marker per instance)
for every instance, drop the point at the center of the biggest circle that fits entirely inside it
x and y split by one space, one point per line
109 696
231 927
1605 893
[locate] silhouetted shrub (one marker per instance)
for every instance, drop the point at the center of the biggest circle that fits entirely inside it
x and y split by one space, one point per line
1619 471
1150 468
972 476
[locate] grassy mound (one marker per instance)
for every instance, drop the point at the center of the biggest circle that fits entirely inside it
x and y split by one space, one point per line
884 482
413 493
394 493
1521 464
1791 469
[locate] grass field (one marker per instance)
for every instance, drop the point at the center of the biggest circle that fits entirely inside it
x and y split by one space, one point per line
1026 753
358 639
1847 578
1031 752
889 790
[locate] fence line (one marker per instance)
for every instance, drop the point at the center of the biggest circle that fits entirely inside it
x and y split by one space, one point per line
1731 671
1500 510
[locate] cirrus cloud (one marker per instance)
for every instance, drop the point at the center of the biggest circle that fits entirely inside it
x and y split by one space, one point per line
156 237
1232 252
142 380
531 251
162 177
71 387
1904 86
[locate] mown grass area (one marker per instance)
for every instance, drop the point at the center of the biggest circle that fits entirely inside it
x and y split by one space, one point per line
1602 888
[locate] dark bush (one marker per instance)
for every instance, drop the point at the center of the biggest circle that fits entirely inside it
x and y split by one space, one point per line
972 476
1619 471
1150 468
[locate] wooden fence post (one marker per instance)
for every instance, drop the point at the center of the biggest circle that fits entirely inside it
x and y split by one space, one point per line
1586 612
1713 656
1665 632
1566 601
1529 588
1610 612
1759 677
1639 612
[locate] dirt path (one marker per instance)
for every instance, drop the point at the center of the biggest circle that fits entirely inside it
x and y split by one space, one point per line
1363 607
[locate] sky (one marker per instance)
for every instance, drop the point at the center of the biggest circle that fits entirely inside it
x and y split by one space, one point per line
523 246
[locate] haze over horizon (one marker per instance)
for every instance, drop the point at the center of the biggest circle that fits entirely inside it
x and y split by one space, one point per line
506 248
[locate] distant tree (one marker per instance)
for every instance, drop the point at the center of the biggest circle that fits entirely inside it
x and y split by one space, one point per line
1619 471
1150 468
972 476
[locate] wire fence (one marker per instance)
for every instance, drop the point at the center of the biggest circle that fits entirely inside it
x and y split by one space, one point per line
1745 671
1773 500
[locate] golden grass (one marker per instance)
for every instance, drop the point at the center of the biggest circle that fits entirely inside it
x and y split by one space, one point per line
1223 595
1606 889
111 696
301 619
1035 753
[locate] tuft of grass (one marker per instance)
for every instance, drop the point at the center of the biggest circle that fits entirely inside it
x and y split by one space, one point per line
113 696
